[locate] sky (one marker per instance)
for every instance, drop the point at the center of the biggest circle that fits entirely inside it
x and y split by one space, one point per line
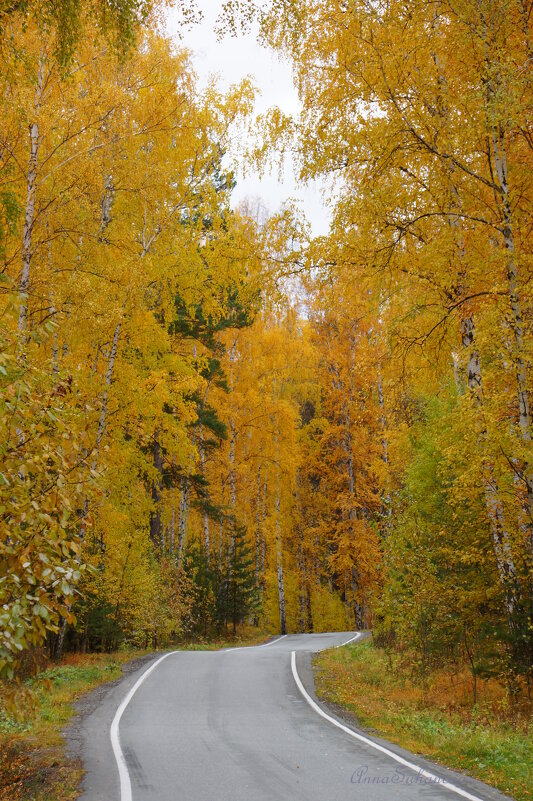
231 60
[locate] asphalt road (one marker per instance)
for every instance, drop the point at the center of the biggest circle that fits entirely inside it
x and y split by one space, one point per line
240 725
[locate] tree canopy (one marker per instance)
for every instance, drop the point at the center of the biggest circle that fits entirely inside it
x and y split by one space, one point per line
208 416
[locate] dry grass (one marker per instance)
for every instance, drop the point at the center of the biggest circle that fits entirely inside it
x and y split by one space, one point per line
491 740
33 763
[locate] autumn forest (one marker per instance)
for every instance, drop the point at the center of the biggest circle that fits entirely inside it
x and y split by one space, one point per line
210 417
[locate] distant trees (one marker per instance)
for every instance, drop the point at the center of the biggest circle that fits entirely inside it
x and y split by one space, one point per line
225 592
420 113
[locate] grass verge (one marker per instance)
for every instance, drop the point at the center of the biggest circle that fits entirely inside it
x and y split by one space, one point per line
493 748
33 762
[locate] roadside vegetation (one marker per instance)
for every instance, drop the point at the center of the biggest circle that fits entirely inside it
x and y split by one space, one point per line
434 715
33 763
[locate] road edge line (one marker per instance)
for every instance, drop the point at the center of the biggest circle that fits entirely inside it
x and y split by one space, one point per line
249 647
413 766
120 759
352 639
270 642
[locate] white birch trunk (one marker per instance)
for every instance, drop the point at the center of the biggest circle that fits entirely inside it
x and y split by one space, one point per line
279 547
495 512
232 446
183 518
517 325
172 530
499 533
263 539
387 505
496 135
258 527
220 543
102 420
279 569
29 213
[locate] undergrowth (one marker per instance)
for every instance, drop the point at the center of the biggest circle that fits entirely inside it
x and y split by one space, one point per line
490 740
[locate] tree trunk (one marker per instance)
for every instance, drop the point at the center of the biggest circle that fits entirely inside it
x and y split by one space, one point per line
102 421
232 477
258 527
386 504
205 515
279 558
60 640
499 533
220 542
108 198
29 215
263 539
357 614
303 594
497 138
172 530
107 201
183 518
232 444
493 503
517 325
157 489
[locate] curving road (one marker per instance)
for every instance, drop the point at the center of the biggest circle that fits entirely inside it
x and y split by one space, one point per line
244 725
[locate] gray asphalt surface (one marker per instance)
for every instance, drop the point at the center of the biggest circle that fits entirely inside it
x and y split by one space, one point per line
233 726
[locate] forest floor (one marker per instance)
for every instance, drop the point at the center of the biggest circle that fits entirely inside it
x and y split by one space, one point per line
437 718
34 764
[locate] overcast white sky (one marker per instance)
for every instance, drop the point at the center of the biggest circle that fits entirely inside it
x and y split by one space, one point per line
231 60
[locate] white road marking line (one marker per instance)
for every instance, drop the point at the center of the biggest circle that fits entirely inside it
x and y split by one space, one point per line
247 647
266 644
125 782
349 641
430 776
124 776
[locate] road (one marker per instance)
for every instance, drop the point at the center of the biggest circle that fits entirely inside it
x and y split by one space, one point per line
244 725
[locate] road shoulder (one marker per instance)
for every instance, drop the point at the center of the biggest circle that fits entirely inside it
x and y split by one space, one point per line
87 735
